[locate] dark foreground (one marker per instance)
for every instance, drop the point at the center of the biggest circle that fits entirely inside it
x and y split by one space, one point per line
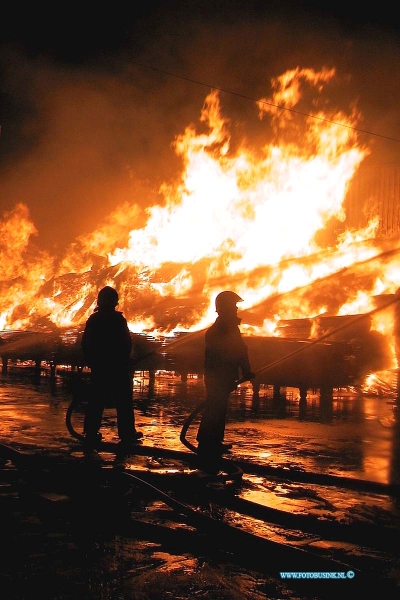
304 497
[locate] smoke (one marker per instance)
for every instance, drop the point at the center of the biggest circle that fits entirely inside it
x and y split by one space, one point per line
83 137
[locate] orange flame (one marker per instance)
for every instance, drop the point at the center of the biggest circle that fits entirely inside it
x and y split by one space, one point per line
237 218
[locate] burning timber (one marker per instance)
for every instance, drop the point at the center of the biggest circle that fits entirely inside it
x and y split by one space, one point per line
344 358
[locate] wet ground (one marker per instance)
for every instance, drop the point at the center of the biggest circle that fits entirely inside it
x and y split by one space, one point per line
340 478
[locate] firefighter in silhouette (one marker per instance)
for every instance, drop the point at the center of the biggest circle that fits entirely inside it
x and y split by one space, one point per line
226 359
106 346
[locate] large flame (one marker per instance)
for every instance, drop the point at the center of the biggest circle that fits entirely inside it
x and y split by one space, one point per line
251 220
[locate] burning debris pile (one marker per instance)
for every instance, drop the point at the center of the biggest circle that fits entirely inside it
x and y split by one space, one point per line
269 223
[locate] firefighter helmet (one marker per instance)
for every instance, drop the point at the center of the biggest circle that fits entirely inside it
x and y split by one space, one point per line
226 299
107 297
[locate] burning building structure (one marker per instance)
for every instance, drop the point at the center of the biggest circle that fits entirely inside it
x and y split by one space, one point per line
297 226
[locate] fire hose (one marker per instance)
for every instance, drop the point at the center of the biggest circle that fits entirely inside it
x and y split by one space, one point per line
233 472
327 335
198 409
231 539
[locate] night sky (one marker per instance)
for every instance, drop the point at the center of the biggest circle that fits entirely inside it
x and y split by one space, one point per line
91 100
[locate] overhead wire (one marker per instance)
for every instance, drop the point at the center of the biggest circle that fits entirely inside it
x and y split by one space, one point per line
264 102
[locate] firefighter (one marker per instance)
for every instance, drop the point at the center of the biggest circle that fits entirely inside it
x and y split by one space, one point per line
106 346
226 359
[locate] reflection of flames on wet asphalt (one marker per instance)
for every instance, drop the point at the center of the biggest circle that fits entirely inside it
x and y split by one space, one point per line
269 223
285 508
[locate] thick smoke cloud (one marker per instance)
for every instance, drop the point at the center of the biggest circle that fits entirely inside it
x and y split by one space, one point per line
86 131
